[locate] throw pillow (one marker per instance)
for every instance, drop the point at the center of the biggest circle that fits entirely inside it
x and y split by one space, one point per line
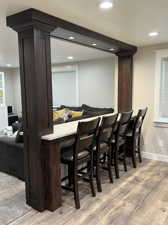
76 113
66 115
58 113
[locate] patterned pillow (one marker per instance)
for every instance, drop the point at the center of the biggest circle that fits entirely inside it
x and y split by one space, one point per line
58 114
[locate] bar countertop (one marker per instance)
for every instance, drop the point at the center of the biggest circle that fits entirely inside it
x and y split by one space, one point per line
67 129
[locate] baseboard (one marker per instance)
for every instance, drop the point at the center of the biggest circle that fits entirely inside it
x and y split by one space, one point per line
155 156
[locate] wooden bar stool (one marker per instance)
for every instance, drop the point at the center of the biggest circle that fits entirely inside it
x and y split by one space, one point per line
102 150
134 136
80 153
119 141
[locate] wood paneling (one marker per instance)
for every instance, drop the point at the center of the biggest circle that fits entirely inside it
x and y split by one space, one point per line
35 68
125 79
52 174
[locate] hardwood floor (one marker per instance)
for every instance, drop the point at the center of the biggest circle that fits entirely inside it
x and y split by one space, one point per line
139 197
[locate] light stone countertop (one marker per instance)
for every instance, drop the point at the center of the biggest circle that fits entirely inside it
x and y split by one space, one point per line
67 129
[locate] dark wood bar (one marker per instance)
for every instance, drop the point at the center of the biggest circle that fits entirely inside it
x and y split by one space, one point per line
42 159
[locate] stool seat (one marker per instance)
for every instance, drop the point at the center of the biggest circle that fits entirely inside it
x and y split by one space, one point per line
67 154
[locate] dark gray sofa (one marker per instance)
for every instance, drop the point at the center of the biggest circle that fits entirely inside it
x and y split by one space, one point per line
88 111
12 154
11 157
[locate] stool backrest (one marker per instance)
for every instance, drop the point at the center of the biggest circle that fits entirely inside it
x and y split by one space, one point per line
123 127
86 133
106 130
139 121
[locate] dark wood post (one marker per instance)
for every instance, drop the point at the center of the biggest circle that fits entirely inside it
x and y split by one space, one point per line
125 81
35 72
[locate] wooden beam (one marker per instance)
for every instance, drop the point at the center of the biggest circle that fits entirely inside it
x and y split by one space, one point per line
125 80
64 29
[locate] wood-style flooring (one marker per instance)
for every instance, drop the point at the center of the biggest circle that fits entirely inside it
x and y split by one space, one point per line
139 197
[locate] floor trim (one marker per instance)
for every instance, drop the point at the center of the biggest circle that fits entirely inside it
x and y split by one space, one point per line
155 156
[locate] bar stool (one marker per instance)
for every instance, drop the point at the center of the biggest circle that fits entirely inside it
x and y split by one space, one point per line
102 150
119 141
134 136
80 153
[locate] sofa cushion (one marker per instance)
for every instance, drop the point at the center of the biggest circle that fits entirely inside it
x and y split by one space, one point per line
78 118
96 109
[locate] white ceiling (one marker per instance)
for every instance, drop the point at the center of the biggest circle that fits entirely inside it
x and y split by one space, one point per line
60 50
128 20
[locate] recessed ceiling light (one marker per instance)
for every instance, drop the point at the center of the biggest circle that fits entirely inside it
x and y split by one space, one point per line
8 65
94 44
71 38
106 4
111 49
70 57
153 34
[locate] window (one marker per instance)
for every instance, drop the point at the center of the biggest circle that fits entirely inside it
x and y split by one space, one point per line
161 94
2 89
65 86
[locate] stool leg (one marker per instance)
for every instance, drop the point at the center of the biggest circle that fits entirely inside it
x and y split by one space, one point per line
139 148
133 153
98 181
124 158
75 189
116 163
109 165
91 178
70 172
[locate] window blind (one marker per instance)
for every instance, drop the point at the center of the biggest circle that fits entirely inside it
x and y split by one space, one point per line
64 88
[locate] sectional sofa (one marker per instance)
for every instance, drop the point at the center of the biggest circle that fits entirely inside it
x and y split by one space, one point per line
12 152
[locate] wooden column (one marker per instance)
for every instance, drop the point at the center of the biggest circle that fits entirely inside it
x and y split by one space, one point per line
35 73
125 80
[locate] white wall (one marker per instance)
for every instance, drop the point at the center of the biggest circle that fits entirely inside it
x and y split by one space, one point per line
156 138
95 81
12 88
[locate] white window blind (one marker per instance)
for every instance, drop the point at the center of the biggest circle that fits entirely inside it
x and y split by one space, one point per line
163 106
65 87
